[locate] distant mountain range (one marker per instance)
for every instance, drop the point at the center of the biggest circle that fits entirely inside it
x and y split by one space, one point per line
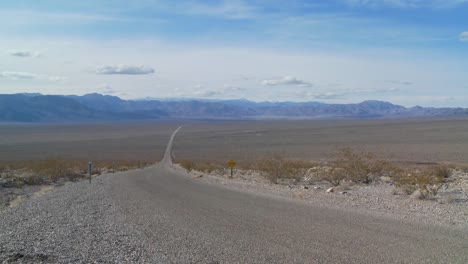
35 107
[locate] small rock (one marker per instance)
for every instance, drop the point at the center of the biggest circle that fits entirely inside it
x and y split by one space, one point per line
417 195
317 188
330 190
305 187
344 192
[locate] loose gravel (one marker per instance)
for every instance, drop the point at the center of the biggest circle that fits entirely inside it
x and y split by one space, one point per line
377 199
76 223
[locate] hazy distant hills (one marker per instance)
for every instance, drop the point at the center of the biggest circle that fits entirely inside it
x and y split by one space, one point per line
97 107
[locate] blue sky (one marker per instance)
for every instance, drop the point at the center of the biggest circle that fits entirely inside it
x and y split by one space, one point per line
409 52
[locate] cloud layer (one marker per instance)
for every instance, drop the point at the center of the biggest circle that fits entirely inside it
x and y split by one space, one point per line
23 53
464 36
124 69
287 80
13 75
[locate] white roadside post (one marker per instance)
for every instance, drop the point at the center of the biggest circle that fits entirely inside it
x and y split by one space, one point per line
90 170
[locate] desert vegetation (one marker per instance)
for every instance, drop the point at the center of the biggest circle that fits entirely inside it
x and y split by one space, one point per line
278 166
203 166
55 169
349 167
20 179
426 182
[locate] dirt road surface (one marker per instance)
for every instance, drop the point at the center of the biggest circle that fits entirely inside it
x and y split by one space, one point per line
161 215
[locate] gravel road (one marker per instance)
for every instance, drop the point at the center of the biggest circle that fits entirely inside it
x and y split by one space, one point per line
161 215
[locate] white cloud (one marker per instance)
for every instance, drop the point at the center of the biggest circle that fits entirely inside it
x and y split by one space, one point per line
199 91
18 75
320 96
23 53
372 90
464 36
12 75
341 93
124 69
208 93
108 90
287 80
327 96
226 91
233 88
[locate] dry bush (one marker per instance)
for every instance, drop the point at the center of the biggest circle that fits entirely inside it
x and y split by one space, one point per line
334 176
32 179
462 167
124 165
209 167
297 169
53 168
359 167
247 164
428 180
441 170
203 166
37 171
273 167
278 165
187 164
3 167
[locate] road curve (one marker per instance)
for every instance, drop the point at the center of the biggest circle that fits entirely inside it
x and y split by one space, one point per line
167 158
161 215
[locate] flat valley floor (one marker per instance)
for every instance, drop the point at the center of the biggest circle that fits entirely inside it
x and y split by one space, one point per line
409 140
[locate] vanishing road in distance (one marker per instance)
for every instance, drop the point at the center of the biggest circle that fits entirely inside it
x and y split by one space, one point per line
162 215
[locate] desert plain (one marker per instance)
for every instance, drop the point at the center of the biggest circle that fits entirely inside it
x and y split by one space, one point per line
406 140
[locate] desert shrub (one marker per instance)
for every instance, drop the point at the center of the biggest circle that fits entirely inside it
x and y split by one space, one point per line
32 179
428 181
124 165
19 182
273 167
297 169
54 168
247 164
278 165
3 167
96 171
187 164
359 167
203 166
462 167
333 175
441 170
72 175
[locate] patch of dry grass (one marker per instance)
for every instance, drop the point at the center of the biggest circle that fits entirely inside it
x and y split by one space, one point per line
37 172
203 166
44 190
279 166
349 167
360 167
428 180
17 201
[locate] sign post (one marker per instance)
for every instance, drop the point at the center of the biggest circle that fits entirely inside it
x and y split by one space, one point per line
90 170
231 164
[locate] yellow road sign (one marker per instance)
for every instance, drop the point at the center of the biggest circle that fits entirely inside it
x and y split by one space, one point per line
231 163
